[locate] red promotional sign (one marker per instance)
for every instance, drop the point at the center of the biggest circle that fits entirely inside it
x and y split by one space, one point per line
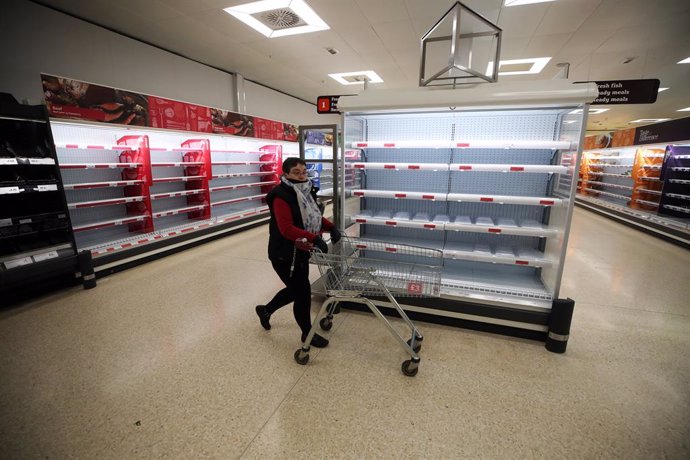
68 98
168 114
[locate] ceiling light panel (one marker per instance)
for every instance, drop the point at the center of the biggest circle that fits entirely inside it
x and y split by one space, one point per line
519 66
686 109
685 61
649 120
353 78
278 18
524 2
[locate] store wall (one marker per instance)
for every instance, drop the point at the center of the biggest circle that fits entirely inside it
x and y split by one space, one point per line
35 39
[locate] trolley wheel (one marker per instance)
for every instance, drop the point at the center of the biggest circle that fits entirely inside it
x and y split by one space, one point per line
305 359
406 368
417 347
326 324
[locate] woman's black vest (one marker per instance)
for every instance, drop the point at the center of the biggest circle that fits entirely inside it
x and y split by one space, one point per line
280 249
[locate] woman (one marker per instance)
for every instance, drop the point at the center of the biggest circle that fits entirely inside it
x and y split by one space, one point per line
295 228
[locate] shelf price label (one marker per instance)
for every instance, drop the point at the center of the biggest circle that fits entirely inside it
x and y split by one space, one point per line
9 190
18 262
45 256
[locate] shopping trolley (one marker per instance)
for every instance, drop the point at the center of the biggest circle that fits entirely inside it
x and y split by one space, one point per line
356 269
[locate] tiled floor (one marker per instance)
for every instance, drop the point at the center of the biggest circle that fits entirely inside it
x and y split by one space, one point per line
168 360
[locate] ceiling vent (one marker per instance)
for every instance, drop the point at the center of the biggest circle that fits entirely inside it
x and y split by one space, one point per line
282 18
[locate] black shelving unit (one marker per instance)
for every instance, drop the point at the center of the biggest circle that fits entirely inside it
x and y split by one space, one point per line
675 172
37 249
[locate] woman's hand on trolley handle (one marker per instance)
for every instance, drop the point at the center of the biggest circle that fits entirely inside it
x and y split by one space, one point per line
320 244
335 235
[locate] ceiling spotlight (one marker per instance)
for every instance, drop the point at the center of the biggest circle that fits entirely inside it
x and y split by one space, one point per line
628 60
332 50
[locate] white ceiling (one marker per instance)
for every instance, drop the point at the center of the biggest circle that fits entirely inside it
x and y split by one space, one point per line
594 36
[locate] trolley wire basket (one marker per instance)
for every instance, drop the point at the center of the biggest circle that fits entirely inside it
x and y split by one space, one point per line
356 269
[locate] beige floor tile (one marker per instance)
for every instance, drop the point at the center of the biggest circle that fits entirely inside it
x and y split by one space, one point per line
167 360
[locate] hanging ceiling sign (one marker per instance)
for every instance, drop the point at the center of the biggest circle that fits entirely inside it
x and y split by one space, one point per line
327 104
626 91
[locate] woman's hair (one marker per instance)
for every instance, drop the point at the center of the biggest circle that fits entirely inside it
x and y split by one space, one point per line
291 162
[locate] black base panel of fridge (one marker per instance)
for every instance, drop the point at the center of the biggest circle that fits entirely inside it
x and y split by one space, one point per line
539 318
671 235
140 253
27 282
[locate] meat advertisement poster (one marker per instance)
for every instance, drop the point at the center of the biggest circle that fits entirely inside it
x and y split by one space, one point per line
68 98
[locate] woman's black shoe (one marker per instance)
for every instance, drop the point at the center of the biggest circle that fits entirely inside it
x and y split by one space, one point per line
263 317
316 341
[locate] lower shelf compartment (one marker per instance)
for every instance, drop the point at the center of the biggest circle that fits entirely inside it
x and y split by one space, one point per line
188 227
674 230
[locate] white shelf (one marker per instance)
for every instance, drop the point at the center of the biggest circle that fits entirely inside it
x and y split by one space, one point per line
479 254
550 169
679 168
456 251
158 196
173 212
110 202
139 239
538 231
241 163
239 200
605 184
612 195
648 203
239 151
399 195
506 199
96 147
247 174
400 166
241 186
656 155
609 157
679 181
121 183
177 179
177 164
609 175
460 167
651 192
467 197
655 167
109 223
99 165
463 144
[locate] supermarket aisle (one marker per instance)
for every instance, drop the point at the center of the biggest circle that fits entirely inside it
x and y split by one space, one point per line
168 360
